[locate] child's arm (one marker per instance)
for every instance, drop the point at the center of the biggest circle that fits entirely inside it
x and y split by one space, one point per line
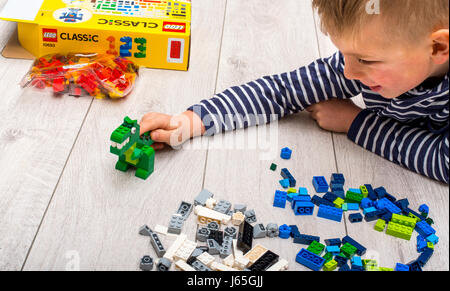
420 150
272 97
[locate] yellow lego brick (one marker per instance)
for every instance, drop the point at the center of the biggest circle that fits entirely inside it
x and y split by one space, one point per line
403 220
339 202
291 190
330 266
364 191
430 245
399 230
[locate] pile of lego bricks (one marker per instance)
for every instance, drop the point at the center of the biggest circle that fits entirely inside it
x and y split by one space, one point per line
225 236
83 74
376 204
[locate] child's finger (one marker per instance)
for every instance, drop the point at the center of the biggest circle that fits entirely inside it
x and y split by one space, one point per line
161 136
154 121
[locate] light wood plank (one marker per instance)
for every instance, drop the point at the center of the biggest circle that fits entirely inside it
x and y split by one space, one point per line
36 135
96 212
363 167
272 38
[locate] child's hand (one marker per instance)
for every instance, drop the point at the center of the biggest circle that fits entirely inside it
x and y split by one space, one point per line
335 115
171 129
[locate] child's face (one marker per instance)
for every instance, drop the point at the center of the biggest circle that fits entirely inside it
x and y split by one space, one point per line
387 67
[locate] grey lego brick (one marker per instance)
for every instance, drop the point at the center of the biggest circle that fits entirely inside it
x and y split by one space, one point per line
145 230
213 225
222 206
259 231
199 266
227 247
157 245
213 247
203 234
202 197
250 216
163 264
185 209
272 230
146 263
240 208
230 231
175 224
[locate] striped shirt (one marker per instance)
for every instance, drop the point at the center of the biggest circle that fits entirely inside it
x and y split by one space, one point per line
411 130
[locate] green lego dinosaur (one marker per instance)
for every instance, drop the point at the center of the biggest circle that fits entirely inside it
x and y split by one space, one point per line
132 149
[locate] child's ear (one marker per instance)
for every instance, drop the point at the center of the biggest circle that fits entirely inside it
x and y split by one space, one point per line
440 46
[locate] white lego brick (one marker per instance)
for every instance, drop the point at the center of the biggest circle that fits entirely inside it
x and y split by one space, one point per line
175 246
183 266
281 265
210 203
255 253
229 261
206 259
216 266
241 263
236 251
211 215
160 229
185 250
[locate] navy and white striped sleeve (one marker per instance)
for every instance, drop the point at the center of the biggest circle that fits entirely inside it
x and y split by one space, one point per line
273 97
420 150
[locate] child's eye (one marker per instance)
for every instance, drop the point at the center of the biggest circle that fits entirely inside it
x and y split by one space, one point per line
364 62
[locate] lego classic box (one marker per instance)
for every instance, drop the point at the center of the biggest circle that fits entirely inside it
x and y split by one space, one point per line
153 34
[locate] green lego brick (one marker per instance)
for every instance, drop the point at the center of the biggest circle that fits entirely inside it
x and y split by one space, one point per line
383 269
316 248
430 245
291 190
415 217
399 230
372 268
369 263
352 197
328 257
338 202
403 220
344 207
273 167
330 265
364 191
348 250
429 221
380 225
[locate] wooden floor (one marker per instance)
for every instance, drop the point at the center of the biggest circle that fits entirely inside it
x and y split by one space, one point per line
63 206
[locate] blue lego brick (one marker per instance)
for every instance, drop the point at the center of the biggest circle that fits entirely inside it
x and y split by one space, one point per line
290 196
390 197
284 183
284 231
338 178
424 229
355 217
344 268
319 200
305 239
401 268
302 191
295 199
320 184
402 203
286 153
304 208
339 192
421 243
388 205
424 257
352 206
386 216
340 260
361 250
280 199
370 209
310 260
372 196
298 199
333 242
357 268
357 261
366 203
380 192
433 239
408 210
287 175
415 267
329 212
335 250
330 196
294 231
374 215
424 208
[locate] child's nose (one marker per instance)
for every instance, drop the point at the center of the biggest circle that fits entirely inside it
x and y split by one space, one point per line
352 72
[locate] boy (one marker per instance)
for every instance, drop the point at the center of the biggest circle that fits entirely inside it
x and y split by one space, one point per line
397 58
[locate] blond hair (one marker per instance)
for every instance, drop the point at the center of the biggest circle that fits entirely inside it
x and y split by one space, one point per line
411 18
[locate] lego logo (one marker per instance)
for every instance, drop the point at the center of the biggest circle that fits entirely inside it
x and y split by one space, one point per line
50 35
174 27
